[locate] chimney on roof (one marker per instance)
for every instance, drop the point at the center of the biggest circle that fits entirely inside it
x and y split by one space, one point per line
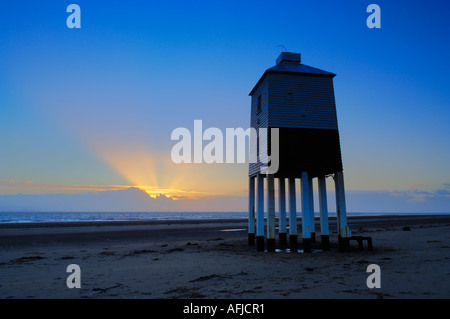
289 57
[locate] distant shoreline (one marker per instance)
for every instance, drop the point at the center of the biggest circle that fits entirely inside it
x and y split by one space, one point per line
63 218
379 216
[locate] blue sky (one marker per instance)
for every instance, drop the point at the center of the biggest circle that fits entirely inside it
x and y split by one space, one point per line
93 108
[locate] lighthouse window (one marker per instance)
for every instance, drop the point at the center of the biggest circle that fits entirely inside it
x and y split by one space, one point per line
257 146
258 106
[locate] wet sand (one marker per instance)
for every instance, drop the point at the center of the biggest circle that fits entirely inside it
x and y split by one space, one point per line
210 259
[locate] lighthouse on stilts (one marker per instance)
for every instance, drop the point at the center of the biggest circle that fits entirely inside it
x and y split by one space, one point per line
298 101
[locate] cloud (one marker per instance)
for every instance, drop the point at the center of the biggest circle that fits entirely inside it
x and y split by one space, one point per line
119 200
133 199
442 192
414 194
125 200
412 200
11 186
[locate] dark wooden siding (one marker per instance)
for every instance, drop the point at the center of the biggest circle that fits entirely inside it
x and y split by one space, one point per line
316 151
301 101
259 120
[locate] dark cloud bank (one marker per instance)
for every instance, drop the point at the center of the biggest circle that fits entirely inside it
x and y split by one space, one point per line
136 200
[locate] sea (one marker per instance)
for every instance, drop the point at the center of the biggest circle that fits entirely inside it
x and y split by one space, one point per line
41 217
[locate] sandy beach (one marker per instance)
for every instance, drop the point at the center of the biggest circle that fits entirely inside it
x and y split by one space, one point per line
211 259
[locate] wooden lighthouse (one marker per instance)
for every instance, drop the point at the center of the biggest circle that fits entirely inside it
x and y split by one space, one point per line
298 100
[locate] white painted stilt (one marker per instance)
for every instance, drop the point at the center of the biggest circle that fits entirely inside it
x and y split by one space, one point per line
337 203
312 226
270 212
343 230
323 207
306 214
260 213
341 208
282 215
251 211
292 215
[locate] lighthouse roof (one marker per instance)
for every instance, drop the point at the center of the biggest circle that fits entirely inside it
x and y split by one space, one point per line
290 63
